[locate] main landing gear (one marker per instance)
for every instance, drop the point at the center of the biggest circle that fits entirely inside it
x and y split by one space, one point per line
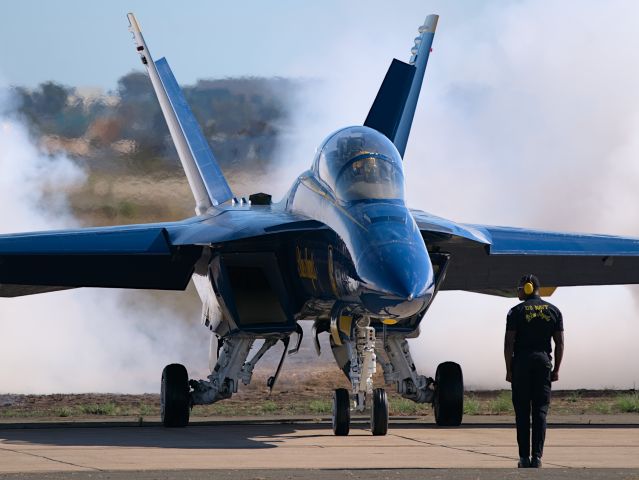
175 399
179 393
448 403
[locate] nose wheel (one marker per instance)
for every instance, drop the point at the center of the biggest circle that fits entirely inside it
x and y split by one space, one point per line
341 412
379 412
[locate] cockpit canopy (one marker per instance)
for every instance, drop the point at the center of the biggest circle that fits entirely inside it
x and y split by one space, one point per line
359 163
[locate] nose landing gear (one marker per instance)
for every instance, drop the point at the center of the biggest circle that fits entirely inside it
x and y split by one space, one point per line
379 412
341 412
341 415
356 349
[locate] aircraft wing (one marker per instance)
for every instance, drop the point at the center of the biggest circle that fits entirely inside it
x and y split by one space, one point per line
491 260
156 256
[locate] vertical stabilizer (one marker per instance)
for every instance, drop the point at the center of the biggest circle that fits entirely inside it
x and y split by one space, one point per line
394 107
420 53
205 177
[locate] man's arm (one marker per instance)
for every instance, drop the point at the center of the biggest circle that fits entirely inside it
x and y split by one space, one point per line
509 348
558 337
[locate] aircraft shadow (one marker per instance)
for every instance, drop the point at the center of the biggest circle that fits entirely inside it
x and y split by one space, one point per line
223 436
251 436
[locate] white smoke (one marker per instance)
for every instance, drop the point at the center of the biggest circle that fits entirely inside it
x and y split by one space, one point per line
75 340
529 116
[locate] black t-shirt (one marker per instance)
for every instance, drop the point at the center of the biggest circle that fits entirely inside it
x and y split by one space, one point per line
535 321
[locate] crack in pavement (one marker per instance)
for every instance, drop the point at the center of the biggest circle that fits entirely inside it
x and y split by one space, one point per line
50 459
468 450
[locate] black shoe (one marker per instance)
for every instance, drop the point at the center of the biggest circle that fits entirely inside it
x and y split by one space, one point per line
524 462
535 462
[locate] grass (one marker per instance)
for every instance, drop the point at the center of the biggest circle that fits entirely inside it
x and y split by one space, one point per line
99 409
65 412
320 406
475 403
269 406
146 410
502 404
472 406
574 396
602 407
628 403
403 406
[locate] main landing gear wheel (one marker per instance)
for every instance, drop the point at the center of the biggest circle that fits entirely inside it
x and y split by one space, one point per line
379 412
449 395
341 412
175 399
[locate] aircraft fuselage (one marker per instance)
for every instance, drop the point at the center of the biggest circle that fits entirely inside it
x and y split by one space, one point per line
378 262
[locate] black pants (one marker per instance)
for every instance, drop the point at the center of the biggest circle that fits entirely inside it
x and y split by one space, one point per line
531 390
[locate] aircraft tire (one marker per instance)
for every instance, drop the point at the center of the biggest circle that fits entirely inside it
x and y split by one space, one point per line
175 398
449 395
341 412
379 412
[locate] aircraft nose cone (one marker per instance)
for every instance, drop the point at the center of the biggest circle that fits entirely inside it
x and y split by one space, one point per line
398 279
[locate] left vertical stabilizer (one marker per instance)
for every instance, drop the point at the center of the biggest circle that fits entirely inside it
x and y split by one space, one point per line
205 177
394 107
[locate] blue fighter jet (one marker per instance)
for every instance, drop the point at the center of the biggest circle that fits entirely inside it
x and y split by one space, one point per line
341 249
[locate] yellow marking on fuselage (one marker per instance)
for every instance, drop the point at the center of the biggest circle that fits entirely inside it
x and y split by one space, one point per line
331 271
306 265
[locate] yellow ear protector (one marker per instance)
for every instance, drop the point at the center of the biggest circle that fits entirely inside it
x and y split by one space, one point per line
529 288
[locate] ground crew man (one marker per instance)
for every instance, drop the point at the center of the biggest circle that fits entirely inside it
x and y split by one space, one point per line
529 328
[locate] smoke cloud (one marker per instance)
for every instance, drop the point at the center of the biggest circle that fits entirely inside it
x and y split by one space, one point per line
76 340
528 117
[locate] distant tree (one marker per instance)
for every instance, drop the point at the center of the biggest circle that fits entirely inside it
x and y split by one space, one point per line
134 85
51 98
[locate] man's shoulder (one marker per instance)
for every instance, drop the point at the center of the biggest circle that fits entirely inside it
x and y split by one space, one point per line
517 308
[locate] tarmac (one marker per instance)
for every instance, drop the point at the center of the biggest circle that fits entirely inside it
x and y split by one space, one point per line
306 448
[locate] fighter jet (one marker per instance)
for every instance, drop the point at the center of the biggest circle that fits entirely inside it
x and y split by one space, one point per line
341 249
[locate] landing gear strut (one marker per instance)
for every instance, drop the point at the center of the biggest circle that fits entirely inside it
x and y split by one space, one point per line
355 353
175 399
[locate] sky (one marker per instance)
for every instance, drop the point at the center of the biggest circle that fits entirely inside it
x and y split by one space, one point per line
83 43
528 117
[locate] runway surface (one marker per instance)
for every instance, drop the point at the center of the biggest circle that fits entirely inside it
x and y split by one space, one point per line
256 450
